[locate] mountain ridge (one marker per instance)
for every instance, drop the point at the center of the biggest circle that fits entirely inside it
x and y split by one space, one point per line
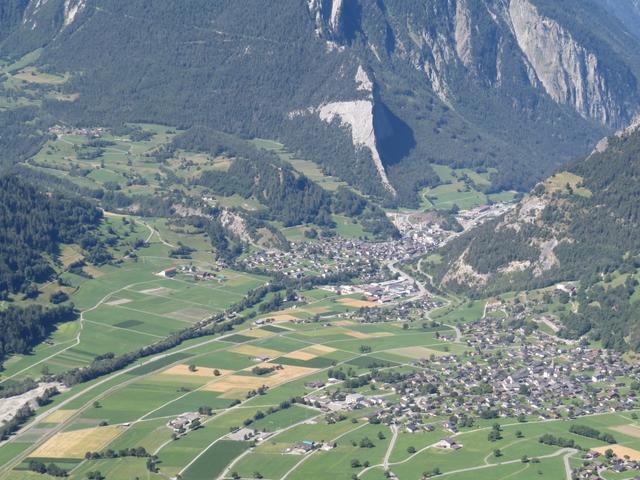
451 82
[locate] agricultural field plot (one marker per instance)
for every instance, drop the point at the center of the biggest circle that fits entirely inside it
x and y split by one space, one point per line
116 468
75 443
170 388
127 307
214 459
461 187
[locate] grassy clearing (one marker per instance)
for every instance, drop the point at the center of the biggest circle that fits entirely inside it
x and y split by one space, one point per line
566 182
461 187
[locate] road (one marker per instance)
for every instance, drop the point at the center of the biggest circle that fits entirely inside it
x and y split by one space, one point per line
392 443
567 465
422 292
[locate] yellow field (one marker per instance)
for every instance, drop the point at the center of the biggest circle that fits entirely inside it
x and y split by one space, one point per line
559 181
309 353
258 333
33 76
416 352
620 451
59 416
319 349
300 355
78 442
354 302
355 334
233 385
69 255
118 301
254 351
343 323
183 370
630 430
93 271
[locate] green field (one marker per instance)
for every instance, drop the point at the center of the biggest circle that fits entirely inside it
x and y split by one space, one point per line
461 187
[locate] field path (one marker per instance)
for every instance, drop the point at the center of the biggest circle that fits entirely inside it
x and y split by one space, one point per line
228 468
153 231
422 292
76 342
567 451
567 465
392 443
7 467
309 455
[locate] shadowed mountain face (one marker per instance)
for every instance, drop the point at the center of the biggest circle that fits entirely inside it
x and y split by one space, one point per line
374 90
627 11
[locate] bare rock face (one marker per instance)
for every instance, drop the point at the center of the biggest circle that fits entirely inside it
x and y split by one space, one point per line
328 16
568 71
71 9
357 115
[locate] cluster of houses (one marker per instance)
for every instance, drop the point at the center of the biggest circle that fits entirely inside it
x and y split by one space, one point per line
183 422
308 446
190 270
507 372
381 292
348 401
407 311
504 375
249 434
337 255
595 465
82 132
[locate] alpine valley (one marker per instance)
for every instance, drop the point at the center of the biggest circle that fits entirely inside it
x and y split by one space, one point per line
320 239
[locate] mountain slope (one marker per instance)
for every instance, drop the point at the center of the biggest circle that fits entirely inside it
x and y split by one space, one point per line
34 225
373 90
627 11
578 225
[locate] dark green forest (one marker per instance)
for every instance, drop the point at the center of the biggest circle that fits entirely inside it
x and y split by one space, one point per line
23 328
33 226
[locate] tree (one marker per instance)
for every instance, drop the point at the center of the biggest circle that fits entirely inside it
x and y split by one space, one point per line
411 449
205 410
216 372
96 404
355 463
192 368
497 453
366 443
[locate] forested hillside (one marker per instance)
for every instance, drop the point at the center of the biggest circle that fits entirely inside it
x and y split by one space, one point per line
22 328
580 225
374 91
33 226
290 197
